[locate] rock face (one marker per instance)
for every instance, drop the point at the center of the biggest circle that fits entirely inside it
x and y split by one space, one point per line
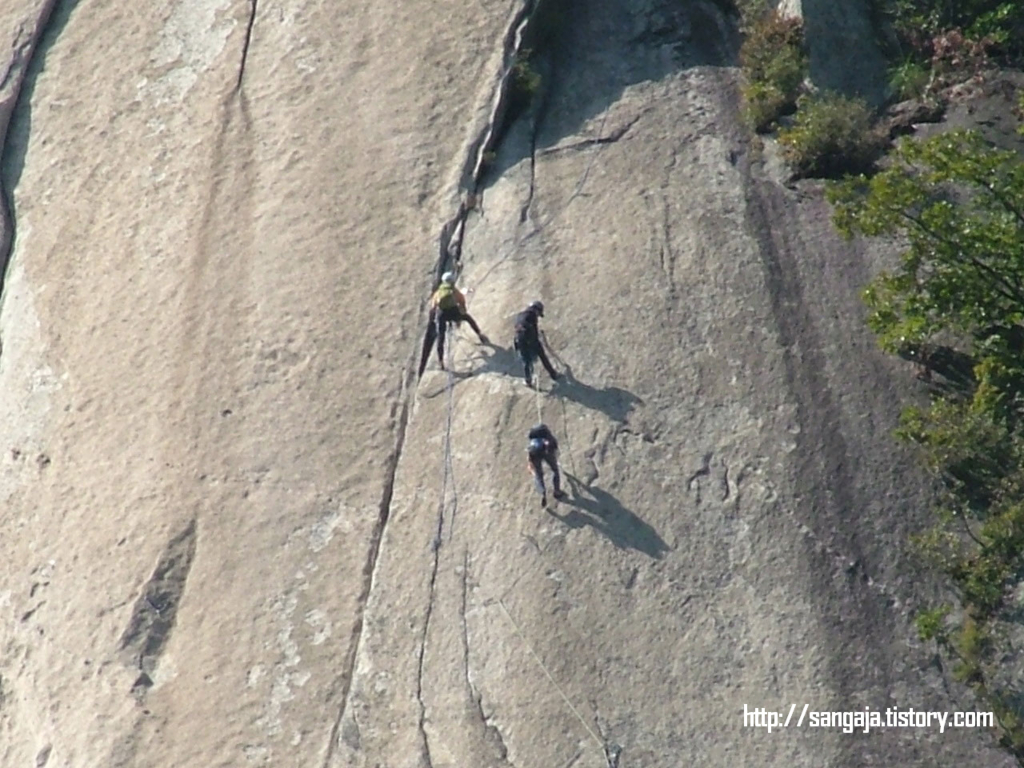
844 55
236 531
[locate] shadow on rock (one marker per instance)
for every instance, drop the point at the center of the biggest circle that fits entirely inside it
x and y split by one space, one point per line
614 402
603 512
484 358
956 368
583 55
500 360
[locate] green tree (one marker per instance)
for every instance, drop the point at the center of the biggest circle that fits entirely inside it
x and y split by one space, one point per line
774 65
917 22
957 206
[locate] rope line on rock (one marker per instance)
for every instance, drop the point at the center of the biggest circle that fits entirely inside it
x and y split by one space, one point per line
449 460
600 742
546 222
538 397
448 468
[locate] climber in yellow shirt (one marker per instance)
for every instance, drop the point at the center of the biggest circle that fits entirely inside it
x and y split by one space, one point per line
447 305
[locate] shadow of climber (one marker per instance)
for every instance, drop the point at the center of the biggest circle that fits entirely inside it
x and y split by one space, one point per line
500 360
614 402
600 510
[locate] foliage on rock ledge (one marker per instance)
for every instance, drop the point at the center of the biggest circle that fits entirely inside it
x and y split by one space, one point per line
774 64
959 206
939 42
831 135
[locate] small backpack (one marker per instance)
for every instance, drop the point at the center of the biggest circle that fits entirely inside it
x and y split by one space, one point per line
444 297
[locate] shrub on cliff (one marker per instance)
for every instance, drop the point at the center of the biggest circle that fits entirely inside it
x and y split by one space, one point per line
831 135
958 204
774 64
921 24
949 41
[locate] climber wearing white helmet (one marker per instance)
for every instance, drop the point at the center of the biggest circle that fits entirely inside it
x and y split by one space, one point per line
527 341
447 305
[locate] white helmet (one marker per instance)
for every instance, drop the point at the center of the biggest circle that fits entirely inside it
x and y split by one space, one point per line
448 277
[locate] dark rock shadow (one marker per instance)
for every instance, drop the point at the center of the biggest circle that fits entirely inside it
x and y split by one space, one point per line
482 358
840 33
492 358
12 163
586 53
955 368
14 140
614 402
604 513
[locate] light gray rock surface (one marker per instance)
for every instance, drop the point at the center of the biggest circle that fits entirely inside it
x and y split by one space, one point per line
842 43
235 531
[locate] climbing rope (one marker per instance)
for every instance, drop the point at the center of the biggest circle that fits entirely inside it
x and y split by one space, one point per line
448 468
546 222
538 397
565 417
565 437
599 741
611 754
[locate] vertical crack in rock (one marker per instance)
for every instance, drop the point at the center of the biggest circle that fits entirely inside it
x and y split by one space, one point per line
668 255
27 45
491 732
524 212
156 609
246 43
496 127
450 254
453 231
370 567
426 631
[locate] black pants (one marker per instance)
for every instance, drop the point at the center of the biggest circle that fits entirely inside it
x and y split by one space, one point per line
437 328
530 349
537 470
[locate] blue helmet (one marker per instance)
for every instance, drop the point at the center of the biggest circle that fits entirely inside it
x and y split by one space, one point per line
536 446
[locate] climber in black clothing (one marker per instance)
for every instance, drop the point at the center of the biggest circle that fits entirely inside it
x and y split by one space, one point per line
528 344
543 448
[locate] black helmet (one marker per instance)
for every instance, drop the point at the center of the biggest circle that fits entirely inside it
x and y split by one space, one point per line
538 307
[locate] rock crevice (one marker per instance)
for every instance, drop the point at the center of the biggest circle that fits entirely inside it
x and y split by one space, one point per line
246 42
156 609
25 48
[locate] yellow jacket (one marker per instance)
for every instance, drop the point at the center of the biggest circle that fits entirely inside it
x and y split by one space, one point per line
448 291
